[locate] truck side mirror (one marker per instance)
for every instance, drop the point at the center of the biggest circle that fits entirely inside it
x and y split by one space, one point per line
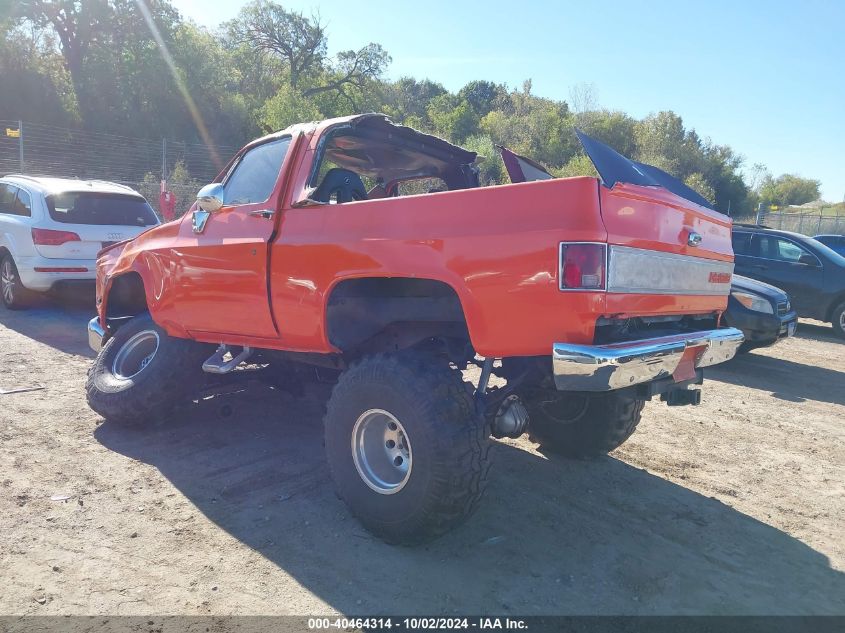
210 197
808 260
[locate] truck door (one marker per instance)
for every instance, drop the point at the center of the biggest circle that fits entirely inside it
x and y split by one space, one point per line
220 270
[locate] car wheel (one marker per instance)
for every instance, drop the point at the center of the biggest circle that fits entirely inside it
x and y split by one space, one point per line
14 295
839 320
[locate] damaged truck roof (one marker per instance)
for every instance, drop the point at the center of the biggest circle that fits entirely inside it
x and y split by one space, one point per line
613 167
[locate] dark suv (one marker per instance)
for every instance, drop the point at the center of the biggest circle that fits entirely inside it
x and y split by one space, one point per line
836 242
811 273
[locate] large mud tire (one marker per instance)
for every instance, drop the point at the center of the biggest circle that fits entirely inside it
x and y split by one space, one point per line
581 424
447 440
141 374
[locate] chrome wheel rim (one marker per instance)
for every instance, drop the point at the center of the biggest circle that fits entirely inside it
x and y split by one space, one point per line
7 279
381 451
842 320
135 354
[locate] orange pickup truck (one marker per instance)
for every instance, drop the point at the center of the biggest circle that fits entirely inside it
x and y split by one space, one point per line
368 254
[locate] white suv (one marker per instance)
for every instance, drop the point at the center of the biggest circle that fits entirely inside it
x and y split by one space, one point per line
52 228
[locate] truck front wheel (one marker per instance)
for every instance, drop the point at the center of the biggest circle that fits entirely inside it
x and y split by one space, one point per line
406 448
141 374
581 424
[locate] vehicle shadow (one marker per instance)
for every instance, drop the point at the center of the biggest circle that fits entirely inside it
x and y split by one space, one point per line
59 321
797 382
552 536
817 331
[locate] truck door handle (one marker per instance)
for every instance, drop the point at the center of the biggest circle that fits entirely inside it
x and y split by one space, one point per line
267 214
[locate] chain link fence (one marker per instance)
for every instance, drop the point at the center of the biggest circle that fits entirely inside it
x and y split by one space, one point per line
812 223
36 149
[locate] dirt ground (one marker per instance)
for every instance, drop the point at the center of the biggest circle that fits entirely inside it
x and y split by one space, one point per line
735 506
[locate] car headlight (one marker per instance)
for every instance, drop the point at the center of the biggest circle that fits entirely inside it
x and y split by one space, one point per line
753 302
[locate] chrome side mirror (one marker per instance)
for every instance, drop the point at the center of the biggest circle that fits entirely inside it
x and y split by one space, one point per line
210 197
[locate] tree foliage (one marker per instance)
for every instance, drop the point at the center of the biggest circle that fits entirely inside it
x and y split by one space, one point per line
788 189
140 69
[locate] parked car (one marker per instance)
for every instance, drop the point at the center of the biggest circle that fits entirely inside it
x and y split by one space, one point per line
811 273
762 312
835 242
290 261
51 230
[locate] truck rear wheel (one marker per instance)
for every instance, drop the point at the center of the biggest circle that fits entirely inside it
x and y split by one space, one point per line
577 424
142 374
406 448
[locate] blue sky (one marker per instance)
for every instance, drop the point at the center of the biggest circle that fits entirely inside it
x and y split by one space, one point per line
767 78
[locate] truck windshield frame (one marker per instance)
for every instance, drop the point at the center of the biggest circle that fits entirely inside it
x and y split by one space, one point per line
244 160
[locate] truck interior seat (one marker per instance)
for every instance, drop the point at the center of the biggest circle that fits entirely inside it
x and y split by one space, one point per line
342 185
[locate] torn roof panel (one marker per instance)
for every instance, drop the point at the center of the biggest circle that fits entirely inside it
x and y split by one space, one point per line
613 167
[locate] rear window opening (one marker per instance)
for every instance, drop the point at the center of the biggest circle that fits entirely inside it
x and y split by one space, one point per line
100 209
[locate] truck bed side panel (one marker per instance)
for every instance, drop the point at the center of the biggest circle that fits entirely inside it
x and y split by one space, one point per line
497 247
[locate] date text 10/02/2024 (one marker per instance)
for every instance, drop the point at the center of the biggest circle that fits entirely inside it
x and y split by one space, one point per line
418 623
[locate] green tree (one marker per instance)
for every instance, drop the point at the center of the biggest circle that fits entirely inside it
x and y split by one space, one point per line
452 119
408 99
300 43
109 52
699 184
578 165
662 141
788 189
611 127
286 107
490 166
539 128
482 96
42 88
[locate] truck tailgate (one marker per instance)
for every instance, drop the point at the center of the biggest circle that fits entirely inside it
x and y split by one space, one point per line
661 245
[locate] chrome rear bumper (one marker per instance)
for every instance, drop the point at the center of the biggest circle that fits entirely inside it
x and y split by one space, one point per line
95 334
608 367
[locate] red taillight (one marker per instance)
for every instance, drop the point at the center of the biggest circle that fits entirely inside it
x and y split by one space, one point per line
582 266
48 237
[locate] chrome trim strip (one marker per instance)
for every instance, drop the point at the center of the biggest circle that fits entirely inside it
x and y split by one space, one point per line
642 271
609 367
96 334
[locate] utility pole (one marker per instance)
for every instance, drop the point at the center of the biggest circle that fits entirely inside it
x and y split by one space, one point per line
20 144
759 212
